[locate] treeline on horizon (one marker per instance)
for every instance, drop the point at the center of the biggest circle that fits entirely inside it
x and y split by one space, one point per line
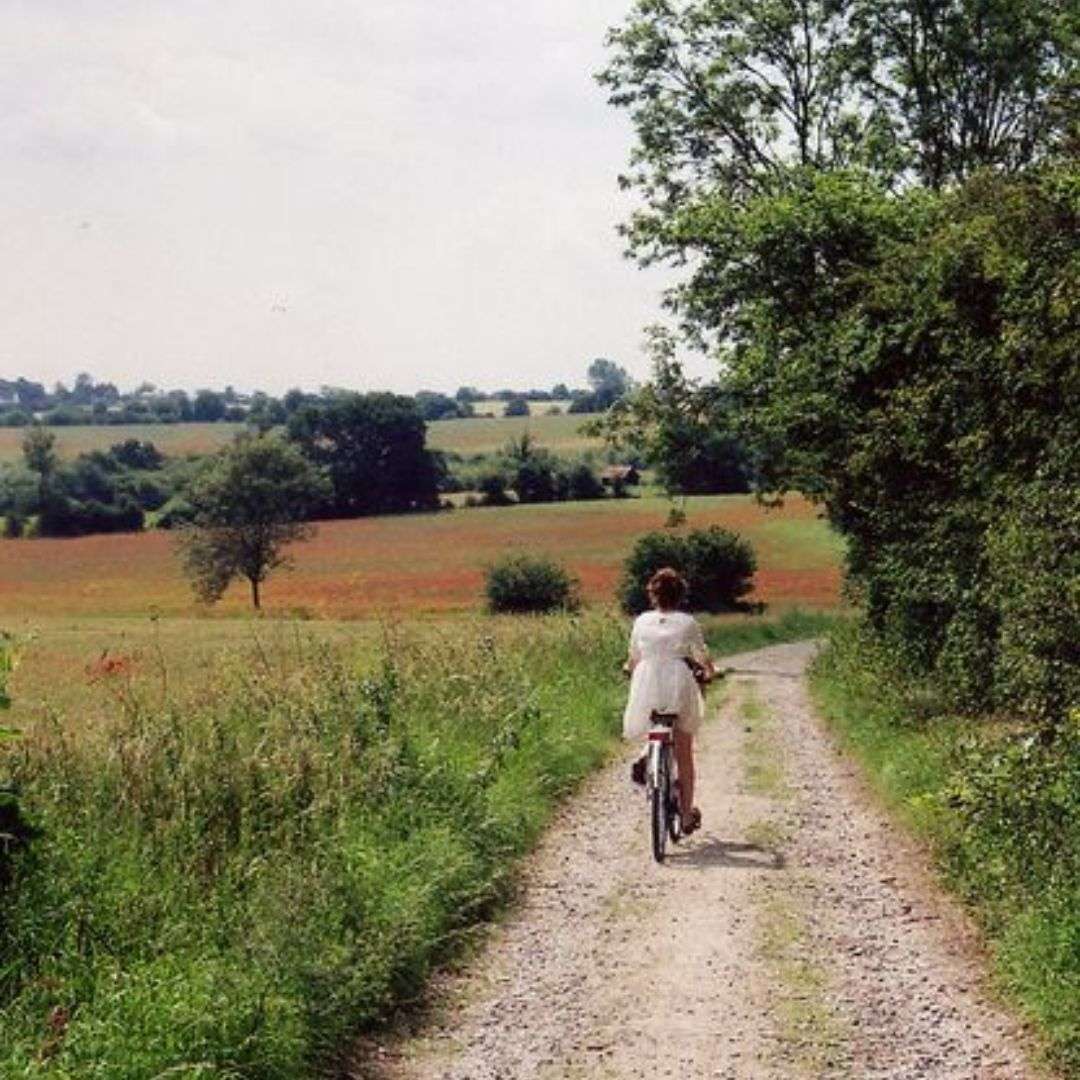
89 401
370 456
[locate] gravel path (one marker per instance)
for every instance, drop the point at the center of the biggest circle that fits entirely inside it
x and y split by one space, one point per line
794 936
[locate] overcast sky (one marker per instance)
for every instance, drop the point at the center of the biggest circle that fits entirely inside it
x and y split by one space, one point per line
364 193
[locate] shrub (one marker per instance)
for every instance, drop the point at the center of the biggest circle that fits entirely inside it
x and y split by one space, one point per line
516 407
175 512
14 524
582 483
536 479
63 516
149 493
137 455
718 565
1034 565
492 488
530 583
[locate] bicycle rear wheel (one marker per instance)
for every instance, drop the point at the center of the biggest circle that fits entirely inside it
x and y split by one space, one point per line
674 818
661 800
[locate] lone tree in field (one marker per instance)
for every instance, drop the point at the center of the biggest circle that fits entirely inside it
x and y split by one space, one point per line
39 453
250 502
372 448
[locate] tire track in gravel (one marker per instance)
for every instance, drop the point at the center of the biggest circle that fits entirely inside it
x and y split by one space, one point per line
794 936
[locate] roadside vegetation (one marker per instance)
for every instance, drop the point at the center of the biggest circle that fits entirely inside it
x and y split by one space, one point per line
234 878
999 804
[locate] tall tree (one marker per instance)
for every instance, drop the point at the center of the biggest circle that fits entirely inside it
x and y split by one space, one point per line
608 382
685 431
208 406
969 83
39 453
724 95
728 97
250 502
372 447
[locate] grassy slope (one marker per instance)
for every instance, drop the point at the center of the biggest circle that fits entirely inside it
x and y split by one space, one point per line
1001 812
234 878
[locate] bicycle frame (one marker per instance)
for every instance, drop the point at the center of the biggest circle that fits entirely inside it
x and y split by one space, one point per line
660 738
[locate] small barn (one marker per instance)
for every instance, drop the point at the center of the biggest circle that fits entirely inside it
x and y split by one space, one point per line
620 476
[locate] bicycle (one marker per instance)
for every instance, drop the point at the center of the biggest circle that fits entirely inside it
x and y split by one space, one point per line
661 783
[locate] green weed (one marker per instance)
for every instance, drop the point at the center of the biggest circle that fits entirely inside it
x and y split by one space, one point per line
1000 805
234 876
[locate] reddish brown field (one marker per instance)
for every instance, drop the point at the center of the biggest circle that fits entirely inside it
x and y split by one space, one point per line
81 607
410 564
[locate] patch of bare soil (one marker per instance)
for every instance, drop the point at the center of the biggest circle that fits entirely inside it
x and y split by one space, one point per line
794 936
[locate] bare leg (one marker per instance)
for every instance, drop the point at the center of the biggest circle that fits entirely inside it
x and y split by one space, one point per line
684 758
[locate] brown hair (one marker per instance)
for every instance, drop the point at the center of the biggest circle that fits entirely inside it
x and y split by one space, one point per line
666 588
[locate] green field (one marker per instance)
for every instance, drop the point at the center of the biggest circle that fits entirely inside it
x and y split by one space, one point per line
172 439
480 435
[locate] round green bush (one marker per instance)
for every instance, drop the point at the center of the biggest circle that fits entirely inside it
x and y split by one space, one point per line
718 565
519 584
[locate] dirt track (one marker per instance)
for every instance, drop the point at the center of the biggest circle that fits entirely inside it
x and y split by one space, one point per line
794 936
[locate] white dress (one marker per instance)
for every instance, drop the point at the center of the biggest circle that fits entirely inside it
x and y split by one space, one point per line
660 642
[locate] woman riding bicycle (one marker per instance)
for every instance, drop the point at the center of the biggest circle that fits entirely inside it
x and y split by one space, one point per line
661 644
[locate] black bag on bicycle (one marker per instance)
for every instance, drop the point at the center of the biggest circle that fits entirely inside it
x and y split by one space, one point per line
701 676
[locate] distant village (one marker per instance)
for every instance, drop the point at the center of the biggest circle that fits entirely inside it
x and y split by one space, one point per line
89 401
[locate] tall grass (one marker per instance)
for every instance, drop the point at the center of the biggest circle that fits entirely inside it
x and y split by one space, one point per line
233 881
999 803
731 634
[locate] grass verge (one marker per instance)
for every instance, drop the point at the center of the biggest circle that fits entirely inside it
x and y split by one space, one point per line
728 634
1000 806
810 1033
233 878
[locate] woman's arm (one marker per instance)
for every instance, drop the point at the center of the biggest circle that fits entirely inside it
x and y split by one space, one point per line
633 657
